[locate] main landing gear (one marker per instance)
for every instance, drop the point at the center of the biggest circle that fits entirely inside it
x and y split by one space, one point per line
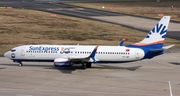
87 65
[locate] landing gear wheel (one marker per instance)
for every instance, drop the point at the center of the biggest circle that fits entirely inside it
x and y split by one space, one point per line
88 65
83 66
20 64
71 64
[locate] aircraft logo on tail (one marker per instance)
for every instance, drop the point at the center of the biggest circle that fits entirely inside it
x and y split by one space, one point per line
158 30
158 33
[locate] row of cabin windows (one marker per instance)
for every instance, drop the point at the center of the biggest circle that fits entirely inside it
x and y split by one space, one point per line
81 52
102 52
41 51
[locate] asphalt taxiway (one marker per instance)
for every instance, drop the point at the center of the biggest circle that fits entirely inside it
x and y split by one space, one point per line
141 78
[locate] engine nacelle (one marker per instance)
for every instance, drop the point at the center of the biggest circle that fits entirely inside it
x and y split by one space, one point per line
61 62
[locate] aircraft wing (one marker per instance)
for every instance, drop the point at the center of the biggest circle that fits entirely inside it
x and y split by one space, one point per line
88 58
78 58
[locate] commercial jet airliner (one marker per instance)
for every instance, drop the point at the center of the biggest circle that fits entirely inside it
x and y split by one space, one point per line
67 55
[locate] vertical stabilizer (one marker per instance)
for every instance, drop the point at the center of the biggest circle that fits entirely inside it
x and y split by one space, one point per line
155 38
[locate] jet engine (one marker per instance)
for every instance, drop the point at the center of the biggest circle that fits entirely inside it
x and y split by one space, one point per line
61 62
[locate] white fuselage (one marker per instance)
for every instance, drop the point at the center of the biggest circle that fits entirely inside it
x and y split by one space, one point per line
51 52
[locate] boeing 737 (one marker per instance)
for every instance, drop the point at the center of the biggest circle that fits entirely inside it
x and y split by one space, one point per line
67 55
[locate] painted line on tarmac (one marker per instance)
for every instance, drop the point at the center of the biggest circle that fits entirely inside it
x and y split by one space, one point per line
108 70
95 69
78 91
92 69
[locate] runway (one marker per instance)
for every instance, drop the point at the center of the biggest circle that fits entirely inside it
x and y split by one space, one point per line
141 78
56 6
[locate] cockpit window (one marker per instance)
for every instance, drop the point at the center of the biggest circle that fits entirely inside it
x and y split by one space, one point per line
13 50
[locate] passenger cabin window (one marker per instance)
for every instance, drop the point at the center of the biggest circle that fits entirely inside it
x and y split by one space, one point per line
13 50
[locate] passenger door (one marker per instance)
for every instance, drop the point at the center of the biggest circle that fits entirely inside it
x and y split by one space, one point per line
23 52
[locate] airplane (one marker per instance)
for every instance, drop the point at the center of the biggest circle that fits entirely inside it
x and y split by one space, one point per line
67 55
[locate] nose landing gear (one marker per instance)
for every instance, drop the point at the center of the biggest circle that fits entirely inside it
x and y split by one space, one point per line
20 64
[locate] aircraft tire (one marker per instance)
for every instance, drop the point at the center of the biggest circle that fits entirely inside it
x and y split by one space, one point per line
88 65
71 64
83 66
20 65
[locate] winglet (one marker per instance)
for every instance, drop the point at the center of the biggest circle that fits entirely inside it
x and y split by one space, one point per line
122 42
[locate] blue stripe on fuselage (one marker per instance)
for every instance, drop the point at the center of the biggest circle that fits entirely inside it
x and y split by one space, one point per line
147 48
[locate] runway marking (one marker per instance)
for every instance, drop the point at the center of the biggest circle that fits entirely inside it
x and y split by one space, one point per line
95 69
23 95
107 69
74 71
92 69
75 91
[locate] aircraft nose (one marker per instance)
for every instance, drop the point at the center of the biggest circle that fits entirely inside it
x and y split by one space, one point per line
6 54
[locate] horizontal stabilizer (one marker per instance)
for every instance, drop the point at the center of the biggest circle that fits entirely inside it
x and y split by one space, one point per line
162 49
167 47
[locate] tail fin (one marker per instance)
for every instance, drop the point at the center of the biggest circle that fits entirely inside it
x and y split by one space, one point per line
155 38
